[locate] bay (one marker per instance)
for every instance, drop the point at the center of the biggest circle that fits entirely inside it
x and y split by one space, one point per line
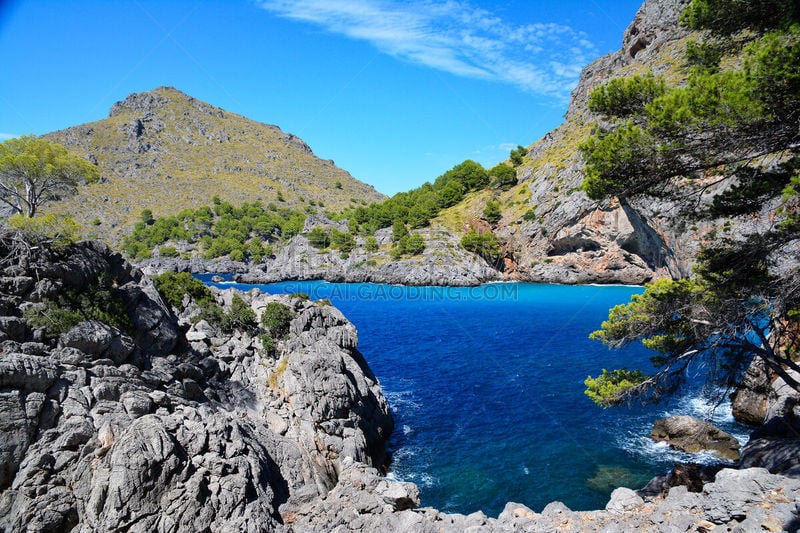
486 388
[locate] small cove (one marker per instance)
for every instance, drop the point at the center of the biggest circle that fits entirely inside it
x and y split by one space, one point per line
486 388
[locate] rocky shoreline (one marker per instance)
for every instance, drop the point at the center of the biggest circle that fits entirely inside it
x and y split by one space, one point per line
176 424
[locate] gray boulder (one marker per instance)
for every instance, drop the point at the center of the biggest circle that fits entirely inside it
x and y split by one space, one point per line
693 435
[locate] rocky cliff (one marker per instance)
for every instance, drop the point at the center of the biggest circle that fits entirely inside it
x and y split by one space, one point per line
442 262
166 425
552 232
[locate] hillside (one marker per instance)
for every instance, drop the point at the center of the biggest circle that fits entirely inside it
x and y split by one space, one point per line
165 151
550 229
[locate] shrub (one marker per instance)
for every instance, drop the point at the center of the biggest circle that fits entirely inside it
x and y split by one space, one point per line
101 302
168 251
485 245
530 215
371 244
399 230
492 212
517 154
319 238
415 244
57 231
240 316
173 286
236 255
268 343
622 97
342 241
147 217
503 176
397 251
276 318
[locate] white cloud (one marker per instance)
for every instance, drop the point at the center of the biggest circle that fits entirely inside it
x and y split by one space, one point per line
455 37
7 136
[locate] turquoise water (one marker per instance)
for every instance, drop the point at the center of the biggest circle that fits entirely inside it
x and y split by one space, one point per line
486 387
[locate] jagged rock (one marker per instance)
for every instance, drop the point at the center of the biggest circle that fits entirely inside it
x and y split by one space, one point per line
693 435
160 442
734 491
443 262
98 340
12 328
749 400
623 499
690 475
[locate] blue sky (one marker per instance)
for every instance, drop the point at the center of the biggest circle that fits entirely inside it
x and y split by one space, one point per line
395 92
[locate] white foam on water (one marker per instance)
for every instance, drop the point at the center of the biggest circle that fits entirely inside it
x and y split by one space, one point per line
704 405
401 400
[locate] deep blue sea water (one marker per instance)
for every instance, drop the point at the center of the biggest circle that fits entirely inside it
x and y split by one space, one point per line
486 387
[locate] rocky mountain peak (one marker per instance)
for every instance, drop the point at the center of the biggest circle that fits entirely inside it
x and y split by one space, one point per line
153 102
656 23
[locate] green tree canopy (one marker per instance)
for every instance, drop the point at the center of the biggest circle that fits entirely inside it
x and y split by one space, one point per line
35 170
736 129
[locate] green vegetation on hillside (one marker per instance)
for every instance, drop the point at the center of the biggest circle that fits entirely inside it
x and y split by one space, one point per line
417 207
245 232
731 127
166 151
101 302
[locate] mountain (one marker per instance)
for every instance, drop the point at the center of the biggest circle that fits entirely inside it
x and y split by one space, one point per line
550 229
165 151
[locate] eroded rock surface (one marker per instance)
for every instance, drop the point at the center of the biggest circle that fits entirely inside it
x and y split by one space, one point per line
693 435
173 425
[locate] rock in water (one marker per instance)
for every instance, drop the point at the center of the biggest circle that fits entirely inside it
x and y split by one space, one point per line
749 400
693 435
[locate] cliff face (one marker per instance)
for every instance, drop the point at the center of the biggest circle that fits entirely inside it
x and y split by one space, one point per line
552 232
165 425
613 241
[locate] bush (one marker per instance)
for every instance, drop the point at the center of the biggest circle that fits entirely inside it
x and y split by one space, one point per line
492 212
517 154
503 176
415 244
371 244
342 241
240 316
168 251
530 215
101 302
173 286
397 251
622 97
485 245
268 343
276 318
56 231
319 238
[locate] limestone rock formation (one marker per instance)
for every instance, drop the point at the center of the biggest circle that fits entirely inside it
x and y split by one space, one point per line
443 262
693 435
749 400
172 425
